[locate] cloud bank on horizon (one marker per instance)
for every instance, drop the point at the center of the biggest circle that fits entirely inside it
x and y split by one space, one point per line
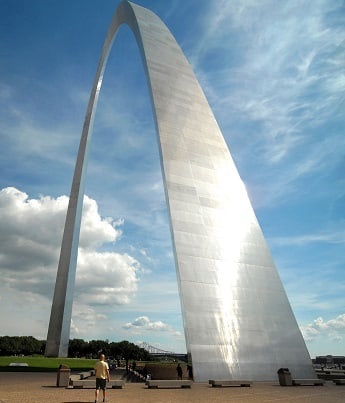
274 76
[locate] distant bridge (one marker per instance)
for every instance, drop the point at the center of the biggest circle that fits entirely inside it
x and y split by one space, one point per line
162 353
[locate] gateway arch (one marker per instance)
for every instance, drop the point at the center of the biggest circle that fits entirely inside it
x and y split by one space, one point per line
237 319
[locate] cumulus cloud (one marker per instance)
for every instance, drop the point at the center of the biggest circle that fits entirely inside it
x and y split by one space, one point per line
30 239
94 230
143 323
85 319
106 278
333 328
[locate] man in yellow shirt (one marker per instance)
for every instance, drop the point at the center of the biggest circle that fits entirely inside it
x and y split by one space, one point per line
102 376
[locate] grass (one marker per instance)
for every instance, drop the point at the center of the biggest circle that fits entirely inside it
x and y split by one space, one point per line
44 364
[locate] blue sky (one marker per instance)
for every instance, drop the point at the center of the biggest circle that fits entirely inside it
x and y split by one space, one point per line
273 73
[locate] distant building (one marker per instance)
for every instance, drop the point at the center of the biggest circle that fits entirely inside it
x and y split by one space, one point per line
330 361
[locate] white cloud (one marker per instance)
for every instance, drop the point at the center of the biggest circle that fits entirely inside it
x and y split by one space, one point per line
94 230
331 237
160 334
86 321
27 138
333 328
143 323
106 278
286 80
30 239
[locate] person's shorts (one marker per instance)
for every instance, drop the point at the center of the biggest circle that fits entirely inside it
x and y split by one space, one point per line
101 383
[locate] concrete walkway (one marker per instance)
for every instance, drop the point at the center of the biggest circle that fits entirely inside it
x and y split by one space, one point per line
40 388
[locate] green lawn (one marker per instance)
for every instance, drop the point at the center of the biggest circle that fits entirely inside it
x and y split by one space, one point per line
44 364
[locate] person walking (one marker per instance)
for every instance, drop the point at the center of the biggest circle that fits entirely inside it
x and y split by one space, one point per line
179 371
102 376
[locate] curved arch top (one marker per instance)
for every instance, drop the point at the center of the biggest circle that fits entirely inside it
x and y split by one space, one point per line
237 319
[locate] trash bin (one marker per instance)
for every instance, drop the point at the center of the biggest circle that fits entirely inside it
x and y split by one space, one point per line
284 376
63 375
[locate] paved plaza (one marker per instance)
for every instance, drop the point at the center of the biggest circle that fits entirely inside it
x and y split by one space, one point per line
40 388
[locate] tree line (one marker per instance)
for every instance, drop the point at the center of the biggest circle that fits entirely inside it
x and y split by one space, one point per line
28 345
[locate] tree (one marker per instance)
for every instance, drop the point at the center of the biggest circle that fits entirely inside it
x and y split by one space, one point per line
97 346
13 345
129 351
77 348
30 345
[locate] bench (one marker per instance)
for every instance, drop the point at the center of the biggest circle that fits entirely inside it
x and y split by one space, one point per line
73 378
339 381
18 364
81 375
91 384
87 374
221 383
305 382
168 383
